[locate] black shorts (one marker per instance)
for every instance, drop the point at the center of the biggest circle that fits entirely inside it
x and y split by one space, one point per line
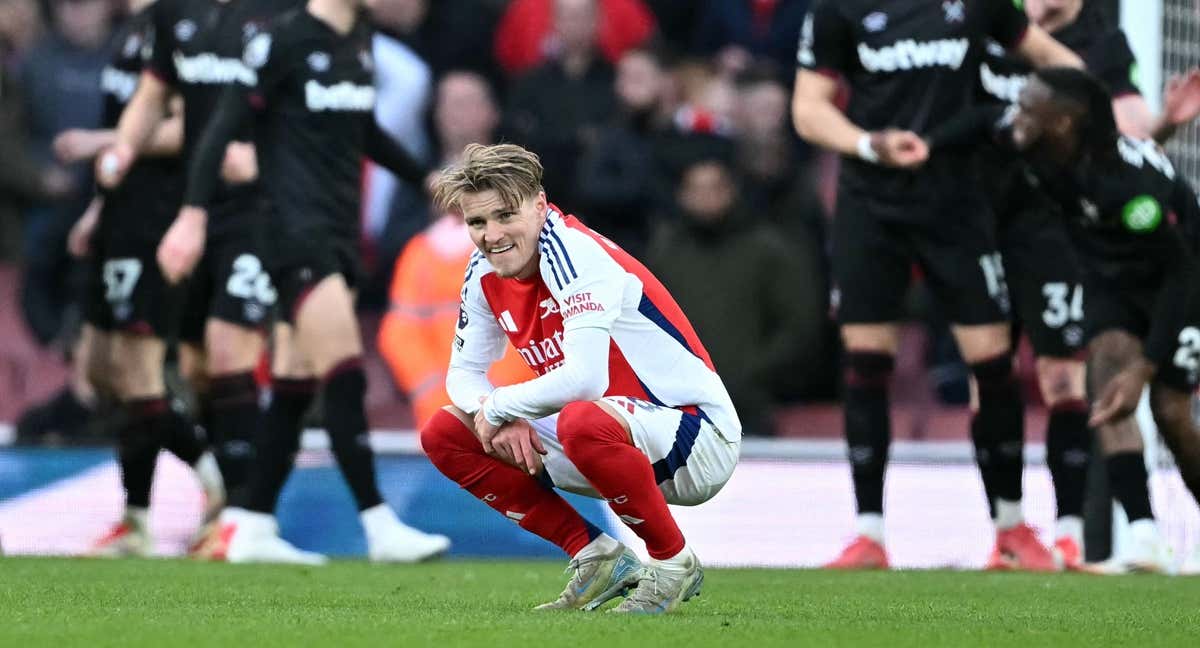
230 283
298 263
876 244
1124 309
126 291
1046 283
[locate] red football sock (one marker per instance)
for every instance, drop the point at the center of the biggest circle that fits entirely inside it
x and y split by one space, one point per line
597 444
458 454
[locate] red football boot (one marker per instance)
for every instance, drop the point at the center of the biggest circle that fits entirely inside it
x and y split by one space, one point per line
1020 545
863 553
1067 554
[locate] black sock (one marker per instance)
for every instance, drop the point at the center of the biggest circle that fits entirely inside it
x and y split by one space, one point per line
998 430
235 417
279 440
137 449
868 425
1068 454
346 424
181 437
1128 477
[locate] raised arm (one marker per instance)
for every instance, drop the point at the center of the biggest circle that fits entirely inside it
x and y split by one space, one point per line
1040 49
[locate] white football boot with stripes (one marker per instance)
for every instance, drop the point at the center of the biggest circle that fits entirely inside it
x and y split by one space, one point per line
663 585
600 572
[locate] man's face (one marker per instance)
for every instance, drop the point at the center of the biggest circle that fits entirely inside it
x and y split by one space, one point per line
640 81
83 23
465 110
1037 116
507 236
762 110
1053 15
706 192
575 23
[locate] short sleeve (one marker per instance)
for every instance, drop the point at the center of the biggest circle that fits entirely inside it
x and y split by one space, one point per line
1112 61
478 339
1006 22
587 283
825 40
157 53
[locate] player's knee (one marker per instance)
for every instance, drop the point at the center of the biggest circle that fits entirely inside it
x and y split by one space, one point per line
230 348
1060 382
445 434
584 423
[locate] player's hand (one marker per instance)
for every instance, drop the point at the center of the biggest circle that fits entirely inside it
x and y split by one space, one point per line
78 144
113 163
79 241
1181 99
183 244
518 443
484 430
900 149
1120 396
240 164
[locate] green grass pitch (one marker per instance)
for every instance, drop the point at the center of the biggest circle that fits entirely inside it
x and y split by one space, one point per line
73 602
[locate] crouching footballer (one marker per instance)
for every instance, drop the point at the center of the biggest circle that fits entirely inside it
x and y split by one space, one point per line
626 405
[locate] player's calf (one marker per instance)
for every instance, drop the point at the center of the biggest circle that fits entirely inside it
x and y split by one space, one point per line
599 445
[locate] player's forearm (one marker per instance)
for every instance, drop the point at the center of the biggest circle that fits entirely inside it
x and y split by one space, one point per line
204 170
1134 117
967 128
1163 130
820 122
467 387
1040 49
395 158
583 376
143 114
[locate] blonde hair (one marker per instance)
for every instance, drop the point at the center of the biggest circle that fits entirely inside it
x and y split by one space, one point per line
512 171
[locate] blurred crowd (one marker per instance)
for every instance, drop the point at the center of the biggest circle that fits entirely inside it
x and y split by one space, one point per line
663 124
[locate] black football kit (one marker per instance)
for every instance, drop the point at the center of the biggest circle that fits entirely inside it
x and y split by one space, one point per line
911 65
197 52
311 97
126 290
1043 273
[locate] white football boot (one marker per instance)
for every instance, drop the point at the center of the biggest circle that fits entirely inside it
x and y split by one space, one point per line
129 538
1146 553
600 572
252 537
390 540
663 585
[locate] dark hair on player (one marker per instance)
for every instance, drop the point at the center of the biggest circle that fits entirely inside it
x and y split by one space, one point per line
1092 102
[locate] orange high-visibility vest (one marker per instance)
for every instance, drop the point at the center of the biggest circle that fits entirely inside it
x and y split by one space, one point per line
417 332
